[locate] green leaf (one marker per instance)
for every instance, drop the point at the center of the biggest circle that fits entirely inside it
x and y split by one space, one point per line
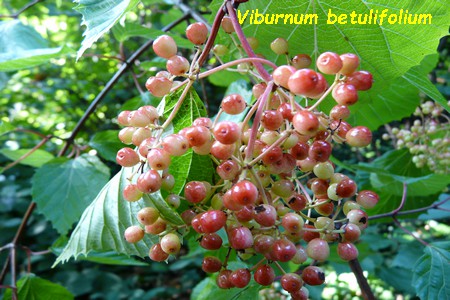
22 47
388 51
189 166
5 127
107 144
99 16
208 289
431 272
165 211
63 188
35 288
129 30
35 159
103 223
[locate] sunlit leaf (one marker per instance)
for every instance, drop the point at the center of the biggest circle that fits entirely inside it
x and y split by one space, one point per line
35 159
35 288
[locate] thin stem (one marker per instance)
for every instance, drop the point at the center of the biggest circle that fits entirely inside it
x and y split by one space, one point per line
362 281
236 62
336 80
32 150
24 8
245 45
178 105
409 232
395 211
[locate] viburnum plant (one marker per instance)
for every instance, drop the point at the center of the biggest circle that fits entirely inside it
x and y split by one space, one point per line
276 194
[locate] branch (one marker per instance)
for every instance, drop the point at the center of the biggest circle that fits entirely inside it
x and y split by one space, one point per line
27 6
362 281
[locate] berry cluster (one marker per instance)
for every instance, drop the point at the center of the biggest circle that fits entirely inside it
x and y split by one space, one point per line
277 195
427 138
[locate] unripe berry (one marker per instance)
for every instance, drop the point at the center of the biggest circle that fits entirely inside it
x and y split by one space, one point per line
227 25
149 182
358 217
148 215
165 46
131 193
350 62
279 46
339 112
292 222
281 75
134 234
301 61
126 135
158 159
367 199
127 157
222 151
122 118
157 227
170 243
318 249
228 170
197 33
175 144
323 170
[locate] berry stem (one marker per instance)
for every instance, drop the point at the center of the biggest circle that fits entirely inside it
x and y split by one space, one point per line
279 267
362 281
336 80
178 105
237 27
261 103
236 62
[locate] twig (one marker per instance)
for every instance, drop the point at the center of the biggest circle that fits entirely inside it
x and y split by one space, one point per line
362 281
24 8
409 232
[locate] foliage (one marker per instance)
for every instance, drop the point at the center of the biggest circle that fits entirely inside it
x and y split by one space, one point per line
46 89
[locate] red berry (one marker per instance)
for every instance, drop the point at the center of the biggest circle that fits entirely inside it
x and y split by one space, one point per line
265 215
240 278
147 215
197 135
305 122
165 46
359 136
301 61
134 234
156 253
339 112
329 63
211 264
345 94
318 249
240 238
212 220
313 275
158 86
350 62
211 241
367 199
303 82
131 193
177 65
264 275
233 104
158 159
346 188
291 282
195 191
347 251
320 151
170 243
149 182
127 157
283 250
223 279
361 80
227 132
281 75
244 192
272 119
228 170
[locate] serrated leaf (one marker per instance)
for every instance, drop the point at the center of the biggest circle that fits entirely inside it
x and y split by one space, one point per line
208 289
165 211
36 159
390 52
99 16
431 272
5 127
189 166
106 143
63 188
35 288
22 47
123 33
103 223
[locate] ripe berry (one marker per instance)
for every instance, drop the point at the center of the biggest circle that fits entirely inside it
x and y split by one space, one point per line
134 234
361 80
228 170
272 119
195 191
177 65
329 63
197 135
139 118
310 235
313 275
345 94
240 278
264 275
346 188
197 33
291 282
300 256
320 151
297 202
367 199
292 222
351 233
347 251
283 250
244 192
212 220
211 264
227 132
175 144
233 104
281 75
240 238
339 112
265 215
122 118
156 253
222 151
149 182
211 241
303 82
305 122
147 215
165 46
359 136
158 86
318 249
223 279
127 157
170 243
